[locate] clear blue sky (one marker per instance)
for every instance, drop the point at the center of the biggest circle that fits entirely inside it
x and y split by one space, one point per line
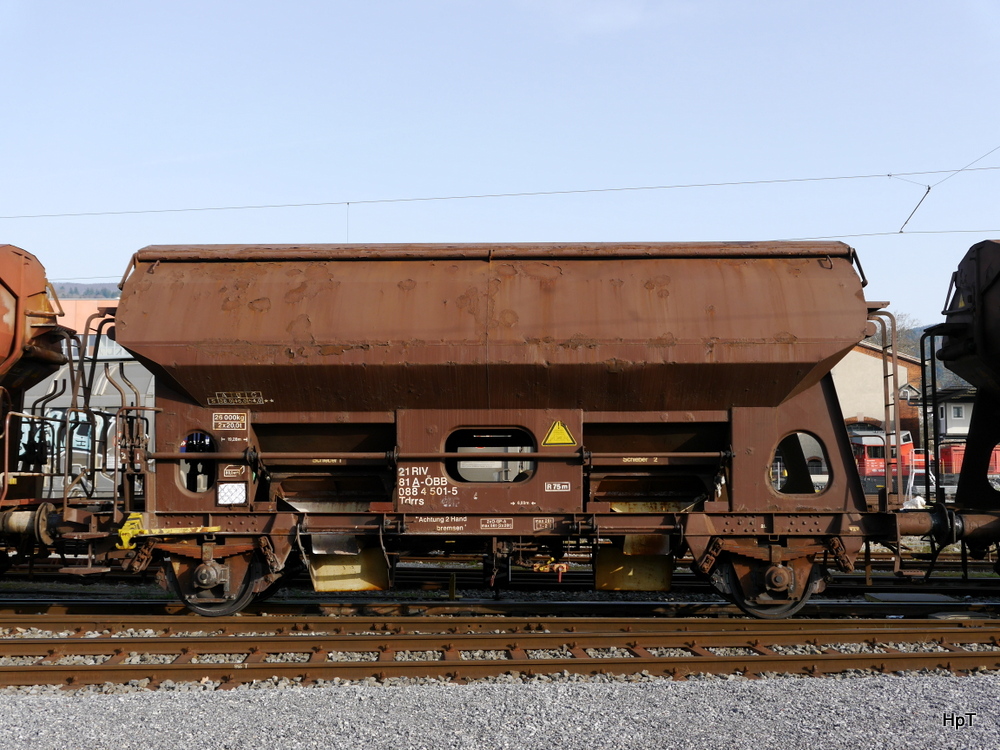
131 106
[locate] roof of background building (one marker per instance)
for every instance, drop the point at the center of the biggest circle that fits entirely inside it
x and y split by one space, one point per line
876 351
957 393
78 310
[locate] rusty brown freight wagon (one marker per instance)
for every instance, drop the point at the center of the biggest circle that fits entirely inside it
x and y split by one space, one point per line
31 348
351 403
351 406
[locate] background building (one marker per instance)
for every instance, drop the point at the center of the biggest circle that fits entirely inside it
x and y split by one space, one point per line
859 378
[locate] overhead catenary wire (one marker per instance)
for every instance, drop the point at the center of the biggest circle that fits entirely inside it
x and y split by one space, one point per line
930 187
87 278
903 176
893 233
966 167
919 202
522 194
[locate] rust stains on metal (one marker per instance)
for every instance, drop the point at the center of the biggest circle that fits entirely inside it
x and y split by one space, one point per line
659 285
30 335
377 324
300 327
508 318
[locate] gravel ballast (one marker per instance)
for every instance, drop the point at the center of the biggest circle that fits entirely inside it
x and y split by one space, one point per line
876 712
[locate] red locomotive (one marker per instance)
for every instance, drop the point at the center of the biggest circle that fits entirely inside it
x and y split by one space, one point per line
952 454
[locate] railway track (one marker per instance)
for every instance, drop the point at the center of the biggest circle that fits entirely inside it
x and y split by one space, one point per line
819 607
228 652
840 585
685 582
458 579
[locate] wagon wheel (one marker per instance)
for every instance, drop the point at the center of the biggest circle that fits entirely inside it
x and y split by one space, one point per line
766 591
218 600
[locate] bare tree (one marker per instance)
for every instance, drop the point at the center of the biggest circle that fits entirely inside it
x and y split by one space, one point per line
908 332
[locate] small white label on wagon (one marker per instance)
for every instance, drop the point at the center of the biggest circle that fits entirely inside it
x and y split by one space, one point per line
222 420
497 524
232 493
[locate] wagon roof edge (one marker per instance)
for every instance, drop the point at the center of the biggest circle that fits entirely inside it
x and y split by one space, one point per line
496 251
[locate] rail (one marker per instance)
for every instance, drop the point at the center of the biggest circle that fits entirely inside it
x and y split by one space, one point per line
259 648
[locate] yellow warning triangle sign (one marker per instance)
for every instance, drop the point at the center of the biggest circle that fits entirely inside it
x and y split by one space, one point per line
559 434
